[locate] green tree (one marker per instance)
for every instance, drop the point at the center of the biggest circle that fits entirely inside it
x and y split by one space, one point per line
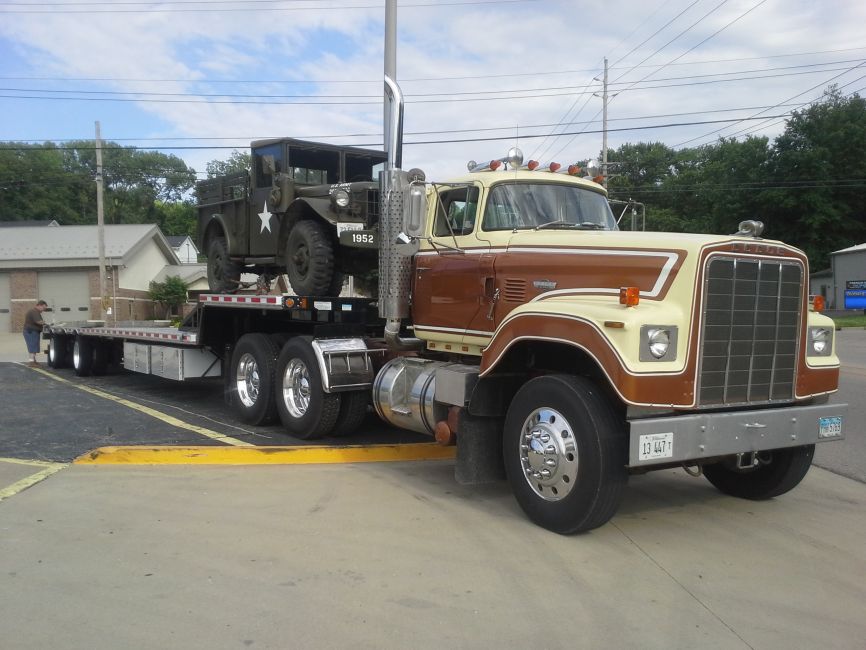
49 182
171 293
176 218
238 161
818 169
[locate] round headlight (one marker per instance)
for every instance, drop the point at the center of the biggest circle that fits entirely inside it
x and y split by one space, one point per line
341 198
658 341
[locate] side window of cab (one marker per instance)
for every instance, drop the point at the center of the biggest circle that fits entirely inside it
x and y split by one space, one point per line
456 212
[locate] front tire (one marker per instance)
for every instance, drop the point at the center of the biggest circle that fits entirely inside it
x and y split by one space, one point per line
780 473
223 274
251 381
565 453
306 410
310 259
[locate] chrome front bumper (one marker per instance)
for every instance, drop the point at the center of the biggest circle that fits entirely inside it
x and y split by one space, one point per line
696 436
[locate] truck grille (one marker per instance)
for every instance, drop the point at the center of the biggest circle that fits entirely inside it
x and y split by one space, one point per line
751 324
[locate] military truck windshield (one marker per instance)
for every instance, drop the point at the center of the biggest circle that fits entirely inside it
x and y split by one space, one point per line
526 206
314 167
361 167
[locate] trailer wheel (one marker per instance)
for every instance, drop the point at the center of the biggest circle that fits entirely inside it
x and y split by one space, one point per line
310 259
223 275
251 379
101 357
780 471
565 453
82 356
306 410
353 411
58 352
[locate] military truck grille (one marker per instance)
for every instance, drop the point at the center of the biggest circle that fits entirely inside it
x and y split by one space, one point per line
372 206
751 323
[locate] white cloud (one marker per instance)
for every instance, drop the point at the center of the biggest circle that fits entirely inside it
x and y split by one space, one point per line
462 49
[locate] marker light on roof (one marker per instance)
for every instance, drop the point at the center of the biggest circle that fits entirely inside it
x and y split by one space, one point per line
574 170
495 164
554 167
532 165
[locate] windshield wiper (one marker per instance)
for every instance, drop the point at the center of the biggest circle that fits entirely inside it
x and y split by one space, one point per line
559 223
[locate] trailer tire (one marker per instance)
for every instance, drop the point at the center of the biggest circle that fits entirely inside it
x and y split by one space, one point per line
306 410
82 356
251 379
223 274
58 352
784 471
353 411
101 357
565 452
310 259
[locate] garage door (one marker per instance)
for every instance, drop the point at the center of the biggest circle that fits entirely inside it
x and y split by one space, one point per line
67 294
5 303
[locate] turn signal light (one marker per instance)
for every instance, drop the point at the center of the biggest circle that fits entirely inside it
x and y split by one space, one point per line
629 296
818 303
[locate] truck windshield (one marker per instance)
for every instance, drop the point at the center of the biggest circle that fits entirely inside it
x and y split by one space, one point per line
527 206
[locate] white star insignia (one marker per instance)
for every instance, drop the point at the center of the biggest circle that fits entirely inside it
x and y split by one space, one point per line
265 216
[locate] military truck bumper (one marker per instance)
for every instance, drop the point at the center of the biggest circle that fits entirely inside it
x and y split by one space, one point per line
698 436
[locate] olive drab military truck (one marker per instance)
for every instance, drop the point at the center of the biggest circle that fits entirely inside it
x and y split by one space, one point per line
298 211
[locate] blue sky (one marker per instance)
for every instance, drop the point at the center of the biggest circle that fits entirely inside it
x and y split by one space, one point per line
170 74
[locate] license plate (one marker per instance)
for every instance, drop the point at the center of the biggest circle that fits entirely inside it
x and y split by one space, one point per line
359 238
829 427
656 445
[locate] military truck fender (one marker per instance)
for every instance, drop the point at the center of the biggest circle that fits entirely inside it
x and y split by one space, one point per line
216 227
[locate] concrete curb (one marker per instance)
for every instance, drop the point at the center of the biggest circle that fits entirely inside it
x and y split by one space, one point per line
306 455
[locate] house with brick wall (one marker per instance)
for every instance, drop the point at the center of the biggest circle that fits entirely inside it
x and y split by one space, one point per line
60 265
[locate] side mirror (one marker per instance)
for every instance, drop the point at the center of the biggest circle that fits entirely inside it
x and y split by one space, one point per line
269 165
415 210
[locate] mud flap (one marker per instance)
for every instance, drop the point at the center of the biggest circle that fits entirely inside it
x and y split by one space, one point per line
479 450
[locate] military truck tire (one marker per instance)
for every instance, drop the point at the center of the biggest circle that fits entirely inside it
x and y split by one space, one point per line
310 259
251 379
82 356
306 410
223 275
784 471
565 453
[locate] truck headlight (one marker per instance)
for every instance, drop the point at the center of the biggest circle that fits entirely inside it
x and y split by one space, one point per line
340 198
658 343
820 342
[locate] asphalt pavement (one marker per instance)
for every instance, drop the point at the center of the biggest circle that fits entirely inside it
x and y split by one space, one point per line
391 555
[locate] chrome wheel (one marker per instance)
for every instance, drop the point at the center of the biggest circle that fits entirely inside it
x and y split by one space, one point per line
548 454
296 388
248 380
76 354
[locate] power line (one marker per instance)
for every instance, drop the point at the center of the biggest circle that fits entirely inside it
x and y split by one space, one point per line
209 8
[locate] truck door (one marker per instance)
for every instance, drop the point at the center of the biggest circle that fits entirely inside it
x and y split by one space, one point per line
452 279
263 225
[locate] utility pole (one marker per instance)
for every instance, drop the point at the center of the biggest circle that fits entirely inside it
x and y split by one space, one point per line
100 223
604 128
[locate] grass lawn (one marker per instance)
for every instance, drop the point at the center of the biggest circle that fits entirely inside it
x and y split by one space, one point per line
850 321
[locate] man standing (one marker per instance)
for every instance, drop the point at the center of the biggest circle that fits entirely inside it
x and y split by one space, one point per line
33 330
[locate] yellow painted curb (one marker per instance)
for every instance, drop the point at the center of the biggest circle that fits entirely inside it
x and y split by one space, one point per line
144 455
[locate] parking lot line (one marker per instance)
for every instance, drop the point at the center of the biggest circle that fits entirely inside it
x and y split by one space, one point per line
47 470
159 415
302 455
